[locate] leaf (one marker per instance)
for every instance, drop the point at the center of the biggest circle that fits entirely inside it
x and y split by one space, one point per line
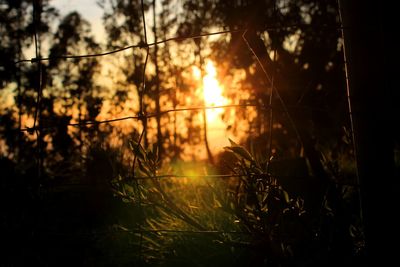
241 151
140 173
151 241
217 204
285 196
354 233
232 142
128 188
137 149
265 199
144 169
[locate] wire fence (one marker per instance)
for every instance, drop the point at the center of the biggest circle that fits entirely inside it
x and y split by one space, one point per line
143 116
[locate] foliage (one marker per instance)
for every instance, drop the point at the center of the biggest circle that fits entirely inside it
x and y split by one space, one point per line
73 191
248 213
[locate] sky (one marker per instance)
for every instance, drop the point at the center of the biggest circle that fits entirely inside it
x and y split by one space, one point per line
88 9
93 13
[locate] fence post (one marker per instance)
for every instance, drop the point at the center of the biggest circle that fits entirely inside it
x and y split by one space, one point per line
368 78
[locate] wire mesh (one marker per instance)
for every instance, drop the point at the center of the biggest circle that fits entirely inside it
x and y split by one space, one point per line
143 116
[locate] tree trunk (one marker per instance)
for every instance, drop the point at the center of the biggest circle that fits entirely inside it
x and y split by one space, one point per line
209 154
19 85
157 91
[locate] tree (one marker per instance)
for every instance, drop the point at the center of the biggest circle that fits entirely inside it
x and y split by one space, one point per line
72 81
17 29
124 26
308 97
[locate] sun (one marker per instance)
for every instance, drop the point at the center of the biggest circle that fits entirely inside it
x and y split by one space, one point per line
212 91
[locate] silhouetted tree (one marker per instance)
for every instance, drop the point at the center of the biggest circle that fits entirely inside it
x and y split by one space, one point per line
309 76
73 80
124 26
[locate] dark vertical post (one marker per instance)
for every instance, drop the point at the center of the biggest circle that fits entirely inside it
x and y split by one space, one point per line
367 51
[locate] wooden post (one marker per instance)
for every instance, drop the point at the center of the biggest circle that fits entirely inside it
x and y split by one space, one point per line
367 52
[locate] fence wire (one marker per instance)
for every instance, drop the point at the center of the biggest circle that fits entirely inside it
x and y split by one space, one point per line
143 116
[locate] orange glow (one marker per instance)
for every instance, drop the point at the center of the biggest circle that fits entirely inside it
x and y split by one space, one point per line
196 72
212 91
